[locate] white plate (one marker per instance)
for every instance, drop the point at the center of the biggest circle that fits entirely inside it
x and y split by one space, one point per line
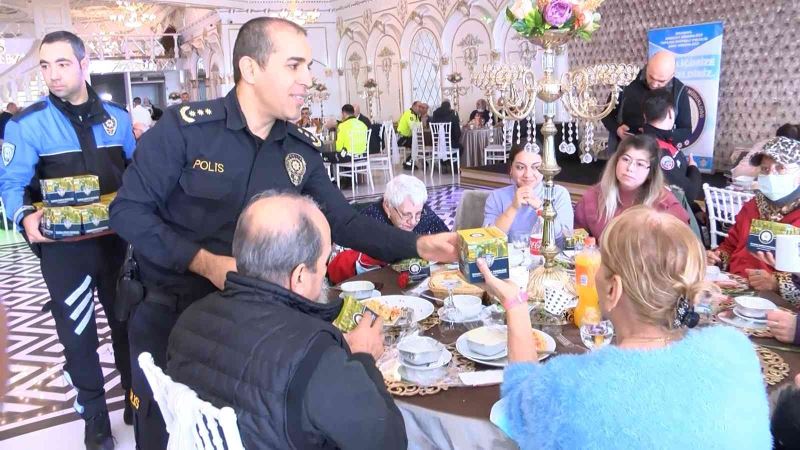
421 308
463 348
739 314
375 293
456 316
443 360
730 318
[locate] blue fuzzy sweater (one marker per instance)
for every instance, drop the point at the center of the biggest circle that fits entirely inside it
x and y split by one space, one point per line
705 391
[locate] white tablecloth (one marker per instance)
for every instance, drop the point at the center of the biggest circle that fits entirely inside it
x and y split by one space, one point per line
433 430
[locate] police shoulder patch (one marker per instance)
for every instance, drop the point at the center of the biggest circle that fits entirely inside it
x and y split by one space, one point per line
667 163
8 152
304 135
38 106
201 112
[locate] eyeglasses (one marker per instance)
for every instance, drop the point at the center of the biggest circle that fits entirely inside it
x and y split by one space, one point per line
779 169
408 217
639 164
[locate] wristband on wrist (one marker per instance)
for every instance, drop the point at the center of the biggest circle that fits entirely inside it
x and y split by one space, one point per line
520 299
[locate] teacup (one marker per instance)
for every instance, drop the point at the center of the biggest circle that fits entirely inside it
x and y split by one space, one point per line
467 305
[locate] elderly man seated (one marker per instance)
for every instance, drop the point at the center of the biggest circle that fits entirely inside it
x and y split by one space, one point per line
266 347
778 200
404 206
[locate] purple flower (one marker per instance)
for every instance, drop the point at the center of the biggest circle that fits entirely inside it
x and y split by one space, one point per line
558 12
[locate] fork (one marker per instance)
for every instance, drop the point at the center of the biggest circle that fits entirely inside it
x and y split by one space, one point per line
567 343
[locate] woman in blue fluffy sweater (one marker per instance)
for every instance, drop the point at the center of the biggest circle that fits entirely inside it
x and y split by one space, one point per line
661 386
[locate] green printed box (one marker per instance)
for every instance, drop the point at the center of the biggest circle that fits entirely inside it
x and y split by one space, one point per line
86 189
58 191
763 232
94 218
491 244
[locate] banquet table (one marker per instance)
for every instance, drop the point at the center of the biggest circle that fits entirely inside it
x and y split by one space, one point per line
458 418
473 141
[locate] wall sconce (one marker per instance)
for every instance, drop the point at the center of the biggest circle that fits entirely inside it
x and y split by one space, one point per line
341 72
328 72
445 60
463 7
403 64
416 17
495 55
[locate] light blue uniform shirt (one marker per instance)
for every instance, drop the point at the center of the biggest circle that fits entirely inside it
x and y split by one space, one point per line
501 199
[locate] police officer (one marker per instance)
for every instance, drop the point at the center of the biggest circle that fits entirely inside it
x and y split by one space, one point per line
72 132
659 116
194 172
351 137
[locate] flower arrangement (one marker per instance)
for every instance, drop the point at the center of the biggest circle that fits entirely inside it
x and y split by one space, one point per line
316 85
454 78
370 84
534 17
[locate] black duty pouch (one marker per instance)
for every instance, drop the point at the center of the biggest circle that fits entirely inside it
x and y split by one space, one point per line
130 291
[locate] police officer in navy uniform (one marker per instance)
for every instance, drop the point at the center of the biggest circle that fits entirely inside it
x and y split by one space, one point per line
72 132
194 172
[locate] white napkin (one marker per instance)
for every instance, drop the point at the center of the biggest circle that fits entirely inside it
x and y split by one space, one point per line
482 378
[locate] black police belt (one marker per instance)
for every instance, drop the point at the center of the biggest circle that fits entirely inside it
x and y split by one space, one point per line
161 298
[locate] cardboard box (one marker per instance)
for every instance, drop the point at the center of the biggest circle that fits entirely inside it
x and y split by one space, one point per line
60 223
86 189
763 232
418 269
58 191
490 243
94 218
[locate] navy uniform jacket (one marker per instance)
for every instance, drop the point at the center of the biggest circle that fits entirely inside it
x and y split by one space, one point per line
195 171
675 165
46 141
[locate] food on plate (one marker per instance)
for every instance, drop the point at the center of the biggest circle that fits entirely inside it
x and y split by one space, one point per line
388 313
439 280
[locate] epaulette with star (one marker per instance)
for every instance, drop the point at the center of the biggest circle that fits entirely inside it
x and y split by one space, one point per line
201 112
304 135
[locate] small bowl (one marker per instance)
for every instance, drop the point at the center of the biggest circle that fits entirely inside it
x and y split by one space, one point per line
487 341
754 307
468 305
712 273
359 289
420 350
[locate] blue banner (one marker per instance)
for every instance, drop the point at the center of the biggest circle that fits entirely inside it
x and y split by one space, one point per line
698 58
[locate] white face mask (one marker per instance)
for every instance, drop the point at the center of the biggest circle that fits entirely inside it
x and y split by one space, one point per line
775 186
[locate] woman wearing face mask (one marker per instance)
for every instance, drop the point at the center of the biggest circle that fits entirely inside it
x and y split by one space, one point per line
631 177
513 208
662 384
778 200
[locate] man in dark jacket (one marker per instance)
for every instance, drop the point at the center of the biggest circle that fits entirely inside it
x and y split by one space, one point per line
627 117
362 117
5 116
678 170
266 347
445 114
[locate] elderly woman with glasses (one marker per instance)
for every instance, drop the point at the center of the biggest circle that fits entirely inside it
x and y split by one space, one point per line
663 383
778 200
404 206
631 177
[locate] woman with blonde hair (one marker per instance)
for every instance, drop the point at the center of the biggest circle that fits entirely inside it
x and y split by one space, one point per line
662 385
631 177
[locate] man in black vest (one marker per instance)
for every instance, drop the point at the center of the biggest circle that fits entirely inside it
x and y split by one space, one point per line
265 344
627 117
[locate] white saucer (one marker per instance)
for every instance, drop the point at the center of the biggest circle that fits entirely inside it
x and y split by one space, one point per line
375 293
730 318
738 312
444 359
457 317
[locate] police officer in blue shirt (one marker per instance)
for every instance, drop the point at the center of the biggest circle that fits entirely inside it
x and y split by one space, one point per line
72 132
194 172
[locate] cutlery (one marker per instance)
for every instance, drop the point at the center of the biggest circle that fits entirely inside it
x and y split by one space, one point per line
567 343
781 348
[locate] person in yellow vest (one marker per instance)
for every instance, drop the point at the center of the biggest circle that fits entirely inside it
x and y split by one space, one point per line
351 137
409 117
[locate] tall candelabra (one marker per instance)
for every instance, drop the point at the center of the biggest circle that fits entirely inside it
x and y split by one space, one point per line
512 92
370 93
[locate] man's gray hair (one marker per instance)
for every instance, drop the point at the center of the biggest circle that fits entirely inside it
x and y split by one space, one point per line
272 255
402 186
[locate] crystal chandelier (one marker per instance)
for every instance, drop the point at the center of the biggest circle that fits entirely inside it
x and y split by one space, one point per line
132 14
298 16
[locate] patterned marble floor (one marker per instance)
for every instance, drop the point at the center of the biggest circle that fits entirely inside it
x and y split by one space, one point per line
39 399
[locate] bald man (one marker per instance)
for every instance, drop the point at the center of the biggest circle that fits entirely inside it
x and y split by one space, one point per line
265 344
628 117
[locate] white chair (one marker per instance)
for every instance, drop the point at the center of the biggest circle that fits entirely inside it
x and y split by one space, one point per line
722 206
385 159
359 164
390 142
499 152
192 423
418 148
440 132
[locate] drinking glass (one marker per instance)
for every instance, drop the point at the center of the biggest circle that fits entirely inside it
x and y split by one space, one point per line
519 243
597 335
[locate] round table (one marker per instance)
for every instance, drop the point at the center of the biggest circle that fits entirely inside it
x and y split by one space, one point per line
473 141
459 417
